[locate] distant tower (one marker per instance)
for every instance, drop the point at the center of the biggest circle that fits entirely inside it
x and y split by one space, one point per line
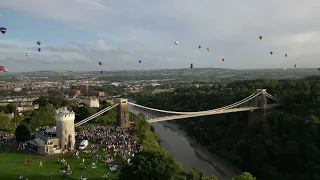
65 128
94 102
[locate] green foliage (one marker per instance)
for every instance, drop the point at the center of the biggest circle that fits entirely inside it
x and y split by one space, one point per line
44 116
22 133
244 176
199 175
5 123
83 111
285 147
151 165
54 98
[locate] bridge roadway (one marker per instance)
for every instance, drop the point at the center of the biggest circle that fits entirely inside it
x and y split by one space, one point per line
175 117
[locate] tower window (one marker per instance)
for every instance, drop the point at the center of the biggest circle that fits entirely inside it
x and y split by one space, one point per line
65 131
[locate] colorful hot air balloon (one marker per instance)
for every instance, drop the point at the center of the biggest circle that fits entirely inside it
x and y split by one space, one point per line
191 66
208 49
286 55
222 59
271 52
39 43
27 54
199 47
260 37
140 61
3 30
176 42
284 68
1 68
39 49
100 63
6 70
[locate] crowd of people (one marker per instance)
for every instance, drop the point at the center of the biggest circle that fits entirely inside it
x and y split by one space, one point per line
111 139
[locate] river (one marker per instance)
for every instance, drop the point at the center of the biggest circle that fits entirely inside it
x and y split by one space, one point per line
190 153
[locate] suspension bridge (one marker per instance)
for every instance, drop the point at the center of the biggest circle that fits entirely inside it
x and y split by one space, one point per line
126 111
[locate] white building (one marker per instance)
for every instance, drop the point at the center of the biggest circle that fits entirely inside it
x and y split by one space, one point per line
65 128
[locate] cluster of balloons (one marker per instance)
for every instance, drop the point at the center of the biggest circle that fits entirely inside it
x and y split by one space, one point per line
3 30
286 55
191 65
2 69
39 48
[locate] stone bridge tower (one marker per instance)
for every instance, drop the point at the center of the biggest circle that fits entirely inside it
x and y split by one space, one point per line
256 117
123 113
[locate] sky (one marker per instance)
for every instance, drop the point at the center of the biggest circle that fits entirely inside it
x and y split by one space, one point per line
77 34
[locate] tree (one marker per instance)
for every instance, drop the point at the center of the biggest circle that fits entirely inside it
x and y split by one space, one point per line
22 133
5 123
151 165
12 109
140 127
244 176
199 175
83 112
44 116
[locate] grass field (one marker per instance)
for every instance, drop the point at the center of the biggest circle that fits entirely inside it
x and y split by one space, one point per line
12 166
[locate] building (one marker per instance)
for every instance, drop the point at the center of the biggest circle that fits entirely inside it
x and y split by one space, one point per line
65 128
94 102
98 93
55 140
76 92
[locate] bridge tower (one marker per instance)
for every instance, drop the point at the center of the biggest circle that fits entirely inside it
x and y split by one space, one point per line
123 113
256 117
262 99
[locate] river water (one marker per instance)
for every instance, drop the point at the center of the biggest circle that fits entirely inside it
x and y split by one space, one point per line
189 155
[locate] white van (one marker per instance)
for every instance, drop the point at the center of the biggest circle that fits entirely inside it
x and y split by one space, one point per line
83 144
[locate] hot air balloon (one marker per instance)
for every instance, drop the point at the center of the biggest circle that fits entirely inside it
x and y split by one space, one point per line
39 49
286 55
3 30
27 54
295 65
222 59
191 66
208 49
318 69
176 42
199 47
140 61
100 63
271 52
101 72
1 68
284 68
39 43
260 37
6 70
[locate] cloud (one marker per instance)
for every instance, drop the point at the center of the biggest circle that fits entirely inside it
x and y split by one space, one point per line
147 30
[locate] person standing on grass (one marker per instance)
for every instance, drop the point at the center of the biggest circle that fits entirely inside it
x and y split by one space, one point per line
40 164
25 160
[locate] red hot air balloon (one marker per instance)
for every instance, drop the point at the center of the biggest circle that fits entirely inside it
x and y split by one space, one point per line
39 43
222 59
100 63
1 68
